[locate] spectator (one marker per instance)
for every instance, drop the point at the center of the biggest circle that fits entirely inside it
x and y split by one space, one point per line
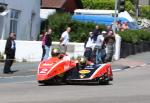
109 42
99 48
43 45
124 26
103 51
64 40
88 45
96 32
48 43
108 28
10 49
119 25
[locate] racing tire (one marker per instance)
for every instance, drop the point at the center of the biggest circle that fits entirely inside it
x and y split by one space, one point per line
55 81
103 82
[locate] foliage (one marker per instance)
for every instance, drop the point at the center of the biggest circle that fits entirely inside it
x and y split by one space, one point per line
1 57
132 1
105 4
99 4
145 11
79 32
58 22
134 36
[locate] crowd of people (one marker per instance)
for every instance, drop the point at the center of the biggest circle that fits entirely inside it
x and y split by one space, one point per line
99 46
122 26
47 42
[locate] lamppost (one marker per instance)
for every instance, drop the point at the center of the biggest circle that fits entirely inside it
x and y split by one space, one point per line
119 7
115 16
137 8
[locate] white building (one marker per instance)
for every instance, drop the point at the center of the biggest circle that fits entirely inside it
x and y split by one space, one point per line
144 2
21 17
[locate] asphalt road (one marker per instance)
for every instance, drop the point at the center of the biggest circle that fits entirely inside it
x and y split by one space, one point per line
129 86
30 68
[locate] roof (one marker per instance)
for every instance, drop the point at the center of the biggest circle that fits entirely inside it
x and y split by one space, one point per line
53 3
68 5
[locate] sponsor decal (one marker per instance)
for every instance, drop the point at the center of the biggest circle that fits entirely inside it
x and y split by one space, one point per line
44 70
82 76
89 68
84 71
46 64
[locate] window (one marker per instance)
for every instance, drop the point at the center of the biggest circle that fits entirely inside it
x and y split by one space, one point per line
14 17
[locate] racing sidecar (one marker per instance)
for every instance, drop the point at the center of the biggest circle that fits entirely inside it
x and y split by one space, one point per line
55 70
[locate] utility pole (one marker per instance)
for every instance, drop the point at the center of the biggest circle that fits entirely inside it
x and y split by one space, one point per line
119 7
115 16
137 8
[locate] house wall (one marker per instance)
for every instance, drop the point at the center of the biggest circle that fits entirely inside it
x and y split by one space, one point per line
27 8
1 25
144 2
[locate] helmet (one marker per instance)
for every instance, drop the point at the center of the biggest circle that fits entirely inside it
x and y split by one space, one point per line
55 52
82 61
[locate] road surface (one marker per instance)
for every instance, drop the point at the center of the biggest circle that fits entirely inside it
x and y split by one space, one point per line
129 86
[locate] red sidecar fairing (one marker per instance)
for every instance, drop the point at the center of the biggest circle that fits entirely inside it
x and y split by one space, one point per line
50 71
52 67
99 73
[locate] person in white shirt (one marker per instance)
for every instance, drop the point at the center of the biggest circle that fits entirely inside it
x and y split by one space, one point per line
99 49
89 45
64 40
99 41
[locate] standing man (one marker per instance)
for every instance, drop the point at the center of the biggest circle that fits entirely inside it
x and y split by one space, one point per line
109 42
96 32
98 49
48 43
89 45
10 49
64 40
43 45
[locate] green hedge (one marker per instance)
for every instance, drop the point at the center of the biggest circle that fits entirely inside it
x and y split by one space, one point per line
134 36
105 4
145 11
59 21
99 4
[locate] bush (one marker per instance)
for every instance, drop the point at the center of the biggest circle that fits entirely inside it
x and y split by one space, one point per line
105 4
58 22
134 36
99 4
145 11
1 57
